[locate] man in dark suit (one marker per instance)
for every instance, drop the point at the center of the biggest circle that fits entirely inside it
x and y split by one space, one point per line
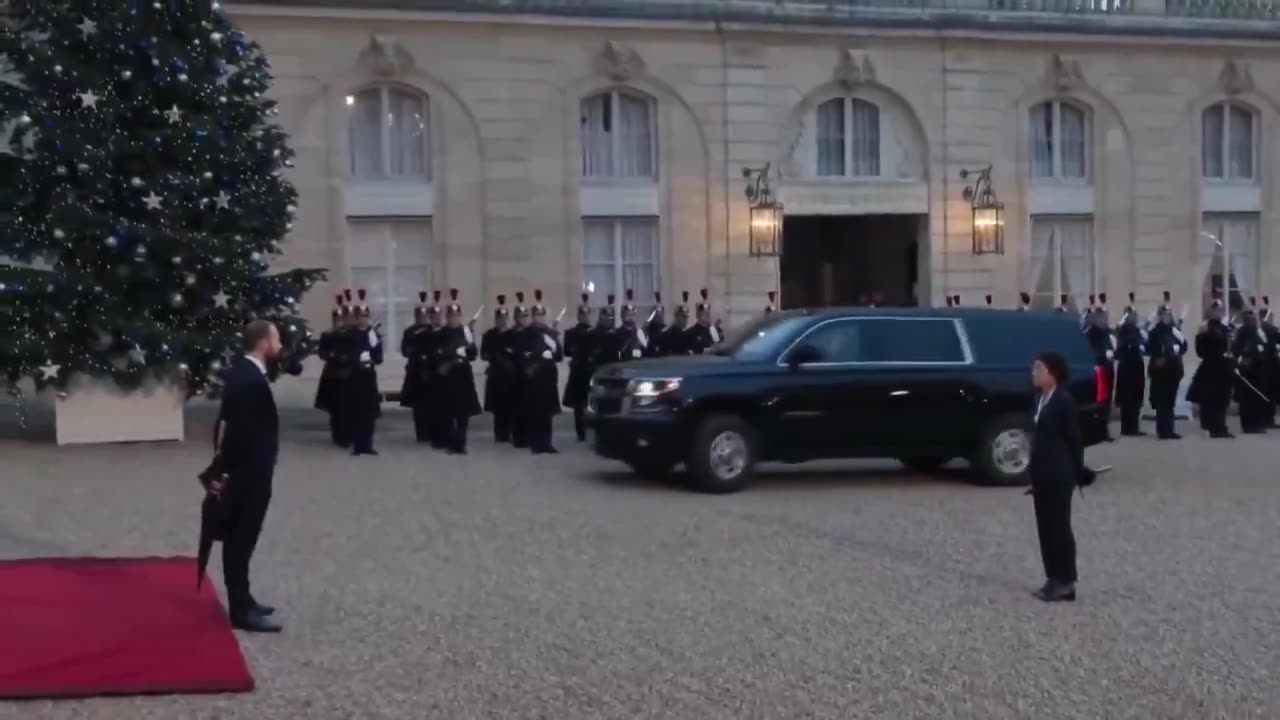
249 446
1056 468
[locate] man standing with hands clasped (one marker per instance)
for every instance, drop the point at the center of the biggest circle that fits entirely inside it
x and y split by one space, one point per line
248 445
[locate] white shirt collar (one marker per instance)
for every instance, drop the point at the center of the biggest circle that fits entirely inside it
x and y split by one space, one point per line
258 362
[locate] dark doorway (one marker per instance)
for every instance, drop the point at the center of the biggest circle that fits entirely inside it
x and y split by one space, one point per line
844 259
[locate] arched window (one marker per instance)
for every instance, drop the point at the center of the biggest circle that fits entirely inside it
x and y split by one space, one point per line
848 138
1060 141
618 138
388 135
1228 142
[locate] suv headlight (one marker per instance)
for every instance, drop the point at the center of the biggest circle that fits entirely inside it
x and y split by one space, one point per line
647 391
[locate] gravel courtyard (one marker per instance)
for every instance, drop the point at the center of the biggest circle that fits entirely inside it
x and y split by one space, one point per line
501 585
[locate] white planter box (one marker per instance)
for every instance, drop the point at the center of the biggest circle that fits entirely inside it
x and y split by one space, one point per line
98 412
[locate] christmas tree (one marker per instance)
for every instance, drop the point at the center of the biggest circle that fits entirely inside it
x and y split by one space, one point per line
147 197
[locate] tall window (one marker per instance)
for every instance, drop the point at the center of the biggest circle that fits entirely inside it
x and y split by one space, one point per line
1059 141
389 259
618 135
848 138
1061 260
621 253
1228 142
1228 257
388 135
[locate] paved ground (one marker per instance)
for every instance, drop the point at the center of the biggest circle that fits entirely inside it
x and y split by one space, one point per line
508 586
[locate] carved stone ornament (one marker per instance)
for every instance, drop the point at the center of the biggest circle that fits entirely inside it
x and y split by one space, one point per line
1065 73
385 57
1235 78
852 70
619 63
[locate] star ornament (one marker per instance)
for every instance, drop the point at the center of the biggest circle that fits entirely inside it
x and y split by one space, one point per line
89 100
223 200
88 27
50 371
152 201
221 299
173 114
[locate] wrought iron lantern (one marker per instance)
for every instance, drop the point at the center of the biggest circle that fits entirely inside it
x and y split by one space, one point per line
988 212
766 214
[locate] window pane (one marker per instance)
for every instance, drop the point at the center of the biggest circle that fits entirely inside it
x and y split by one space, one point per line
1211 138
411 239
866 139
603 277
909 341
831 138
835 341
407 132
364 134
597 136
1041 138
635 137
367 244
1075 242
597 242
1240 139
1073 144
1040 280
1234 237
639 241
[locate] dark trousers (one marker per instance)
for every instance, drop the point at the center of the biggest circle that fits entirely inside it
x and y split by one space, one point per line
247 514
519 430
1130 414
338 430
458 433
539 432
579 422
362 434
502 426
1053 524
1213 416
421 423
1164 421
1253 412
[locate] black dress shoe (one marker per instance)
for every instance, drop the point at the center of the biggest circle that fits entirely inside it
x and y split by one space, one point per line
254 621
263 610
1170 436
1221 435
1056 592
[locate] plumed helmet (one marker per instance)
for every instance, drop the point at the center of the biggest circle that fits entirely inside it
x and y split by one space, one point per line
538 308
454 308
501 310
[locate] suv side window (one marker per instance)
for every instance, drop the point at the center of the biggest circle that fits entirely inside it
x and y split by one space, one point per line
910 340
837 341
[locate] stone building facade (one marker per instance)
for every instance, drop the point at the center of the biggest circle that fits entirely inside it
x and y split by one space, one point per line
493 150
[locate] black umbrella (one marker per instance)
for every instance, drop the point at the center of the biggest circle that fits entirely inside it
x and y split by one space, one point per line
213 516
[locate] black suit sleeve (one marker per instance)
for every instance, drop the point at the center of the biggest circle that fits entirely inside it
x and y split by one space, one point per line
1070 419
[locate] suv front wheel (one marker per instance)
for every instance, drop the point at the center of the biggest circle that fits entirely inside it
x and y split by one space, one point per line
1004 452
722 455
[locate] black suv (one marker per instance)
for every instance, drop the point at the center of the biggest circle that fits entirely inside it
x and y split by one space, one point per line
921 385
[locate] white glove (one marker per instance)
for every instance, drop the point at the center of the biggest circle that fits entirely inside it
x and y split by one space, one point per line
1177 348
462 352
1262 348
1110 354
635 353
365 357
546 354
373 338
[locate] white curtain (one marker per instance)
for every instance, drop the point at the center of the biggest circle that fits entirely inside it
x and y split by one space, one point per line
1041 138
1233 238
364 134
407 135
865 139
1075 245
1074 143
830 139
1211 140
1240 143
597 136
1040 276
599 258
640 258
388 259
635 151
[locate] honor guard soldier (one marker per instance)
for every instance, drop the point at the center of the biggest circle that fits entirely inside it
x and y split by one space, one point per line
433 415
1097 329
520 381
1024 301
703 336
1062 303
1131 371
1249 347
1211 385
497 349
362 402
454 350
415 391
578 341
676 340
768 309
654 328
1272 387
1166 345
631 337
540 357
329 388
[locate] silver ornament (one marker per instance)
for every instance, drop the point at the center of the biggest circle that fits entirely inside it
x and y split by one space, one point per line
182 77
57 69
136 182
207 175
60 170
57 233
216 37
110 241
126 74
190 279
24 120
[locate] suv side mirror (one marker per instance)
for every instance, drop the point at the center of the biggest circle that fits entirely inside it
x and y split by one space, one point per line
802 354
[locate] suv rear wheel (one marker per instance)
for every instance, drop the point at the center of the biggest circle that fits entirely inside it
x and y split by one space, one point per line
1003 452
722 455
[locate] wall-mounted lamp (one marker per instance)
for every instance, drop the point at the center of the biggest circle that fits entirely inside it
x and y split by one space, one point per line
766 214
988 212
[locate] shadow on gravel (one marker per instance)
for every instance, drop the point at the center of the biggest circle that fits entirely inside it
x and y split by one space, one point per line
788 478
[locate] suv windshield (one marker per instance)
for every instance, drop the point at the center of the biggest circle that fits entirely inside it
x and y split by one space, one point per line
763 338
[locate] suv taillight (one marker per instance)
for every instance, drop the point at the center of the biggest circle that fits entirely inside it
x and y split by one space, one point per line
1100 384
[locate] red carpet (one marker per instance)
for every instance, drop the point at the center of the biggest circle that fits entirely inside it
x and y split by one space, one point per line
78 627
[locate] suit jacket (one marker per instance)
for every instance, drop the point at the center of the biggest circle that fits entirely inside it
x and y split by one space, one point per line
251 428
1057 453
